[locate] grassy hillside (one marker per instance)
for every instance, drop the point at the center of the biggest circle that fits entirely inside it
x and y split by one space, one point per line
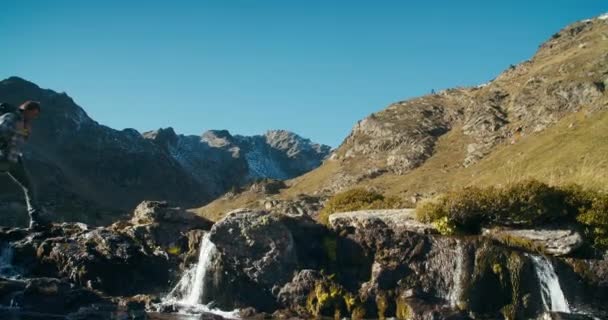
546 118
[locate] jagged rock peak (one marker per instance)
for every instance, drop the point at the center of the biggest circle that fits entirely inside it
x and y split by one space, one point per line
218 138
293 143
162 136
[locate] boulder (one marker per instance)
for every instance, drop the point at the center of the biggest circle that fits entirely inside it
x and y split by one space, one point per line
257 243
398 220
550 241
294 295
47 295
160 225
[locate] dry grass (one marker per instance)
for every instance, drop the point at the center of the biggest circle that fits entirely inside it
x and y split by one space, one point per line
574 150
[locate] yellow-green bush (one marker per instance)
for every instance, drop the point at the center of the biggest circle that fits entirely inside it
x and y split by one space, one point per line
595 218
525 204
357 199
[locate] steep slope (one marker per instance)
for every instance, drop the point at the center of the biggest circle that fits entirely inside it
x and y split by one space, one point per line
463 136
88 172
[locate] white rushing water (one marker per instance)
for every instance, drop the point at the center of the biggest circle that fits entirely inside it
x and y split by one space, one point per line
551 292
7 270
189 291
456 289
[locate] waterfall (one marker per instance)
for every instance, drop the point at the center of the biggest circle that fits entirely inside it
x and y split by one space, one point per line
551 292
189 290
7 270
189 293
456 290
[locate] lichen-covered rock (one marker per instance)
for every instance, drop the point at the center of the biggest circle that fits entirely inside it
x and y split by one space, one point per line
160 225
257 243
399 220
98 259
553 242
295 294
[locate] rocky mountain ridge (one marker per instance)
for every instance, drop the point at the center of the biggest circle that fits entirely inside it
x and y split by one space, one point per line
448 139
84 168
567 74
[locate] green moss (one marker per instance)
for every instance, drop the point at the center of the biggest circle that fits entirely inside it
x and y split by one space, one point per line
382 305
496 283
174 250
328 298
404 311
445 226
330 247
358 313
520 243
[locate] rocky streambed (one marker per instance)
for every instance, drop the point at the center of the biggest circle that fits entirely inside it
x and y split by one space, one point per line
168 264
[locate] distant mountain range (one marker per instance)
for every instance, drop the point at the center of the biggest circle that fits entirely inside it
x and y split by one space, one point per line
89 172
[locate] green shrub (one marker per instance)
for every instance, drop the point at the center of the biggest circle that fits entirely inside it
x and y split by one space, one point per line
595 219
357 199
530 203
458 211
524 204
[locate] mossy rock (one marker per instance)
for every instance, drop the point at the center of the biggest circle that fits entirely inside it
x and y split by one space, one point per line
329 299
502 284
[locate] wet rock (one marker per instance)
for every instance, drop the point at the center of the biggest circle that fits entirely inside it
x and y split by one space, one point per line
417 309
102 259
564 316
585 284
46 295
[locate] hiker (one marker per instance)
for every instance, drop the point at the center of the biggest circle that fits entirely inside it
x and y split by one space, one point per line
15 127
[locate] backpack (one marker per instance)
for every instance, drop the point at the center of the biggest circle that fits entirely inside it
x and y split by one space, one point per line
7 108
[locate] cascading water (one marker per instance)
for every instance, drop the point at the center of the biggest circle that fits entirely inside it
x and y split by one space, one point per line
551 292
456 289
7 270
189 291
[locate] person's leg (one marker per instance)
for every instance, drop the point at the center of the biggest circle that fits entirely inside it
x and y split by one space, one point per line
19 174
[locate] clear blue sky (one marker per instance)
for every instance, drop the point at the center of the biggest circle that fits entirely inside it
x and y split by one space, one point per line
311 66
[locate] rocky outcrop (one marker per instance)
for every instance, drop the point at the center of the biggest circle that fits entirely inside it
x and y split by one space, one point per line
399 220
553 242
300 205
377 264
47 295
258 252
87 172
566 75
92 272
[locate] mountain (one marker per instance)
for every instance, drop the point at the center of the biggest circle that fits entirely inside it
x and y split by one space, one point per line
544 118
88 172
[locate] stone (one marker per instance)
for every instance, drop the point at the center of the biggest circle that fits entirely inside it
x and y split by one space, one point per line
400 220
47 295
551 241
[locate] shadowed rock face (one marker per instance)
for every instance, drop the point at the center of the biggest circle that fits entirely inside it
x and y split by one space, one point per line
88 172
97 273
377 264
